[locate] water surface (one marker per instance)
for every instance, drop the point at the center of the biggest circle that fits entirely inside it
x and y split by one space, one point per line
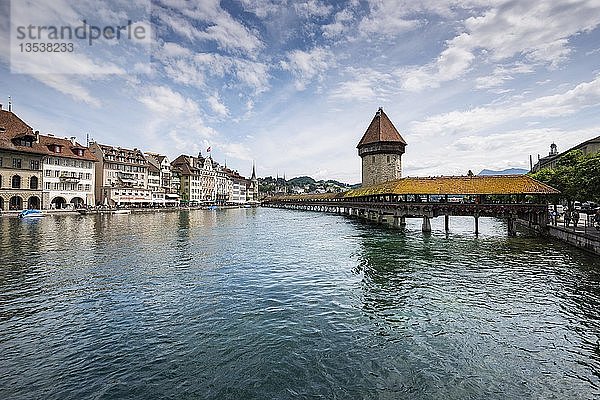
276 304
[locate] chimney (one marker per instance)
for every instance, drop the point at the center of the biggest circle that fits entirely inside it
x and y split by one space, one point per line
9 104
37 136
0 106
72 139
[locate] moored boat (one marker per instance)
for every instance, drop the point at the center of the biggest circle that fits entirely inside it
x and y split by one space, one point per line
31 214
122 212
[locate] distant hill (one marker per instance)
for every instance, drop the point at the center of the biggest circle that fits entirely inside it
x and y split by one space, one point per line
301 181
509 171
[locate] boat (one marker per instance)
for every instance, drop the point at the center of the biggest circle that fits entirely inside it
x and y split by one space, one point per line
212 208
122 212
31 214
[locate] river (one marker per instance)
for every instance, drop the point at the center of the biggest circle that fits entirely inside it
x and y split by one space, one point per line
277 304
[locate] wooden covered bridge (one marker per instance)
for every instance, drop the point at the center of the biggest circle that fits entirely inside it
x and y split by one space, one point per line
513 197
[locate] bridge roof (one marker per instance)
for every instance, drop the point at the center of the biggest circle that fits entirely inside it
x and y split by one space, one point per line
458 185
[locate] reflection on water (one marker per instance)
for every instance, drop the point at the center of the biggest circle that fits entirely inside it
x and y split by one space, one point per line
261 303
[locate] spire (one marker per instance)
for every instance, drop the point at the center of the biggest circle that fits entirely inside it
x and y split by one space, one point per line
253 171
381 129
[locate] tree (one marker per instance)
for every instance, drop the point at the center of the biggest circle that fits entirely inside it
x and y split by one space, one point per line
576 175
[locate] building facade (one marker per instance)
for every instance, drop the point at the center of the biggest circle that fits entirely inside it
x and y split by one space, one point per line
68 174
381 149
121 176
42 171
591 146
160 180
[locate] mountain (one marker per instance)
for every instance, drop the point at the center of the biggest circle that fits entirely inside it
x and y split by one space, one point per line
509 171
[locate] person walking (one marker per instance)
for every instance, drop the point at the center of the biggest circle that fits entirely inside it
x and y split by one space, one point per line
567 217
575 217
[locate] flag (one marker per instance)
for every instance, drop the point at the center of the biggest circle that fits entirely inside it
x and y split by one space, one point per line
208 150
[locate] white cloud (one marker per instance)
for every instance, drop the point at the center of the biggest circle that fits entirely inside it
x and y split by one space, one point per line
306 65
387 18
584 95
502 74
165 101
184 66
478 119
538 32
341 23
312 8
184 17
364 84
217 106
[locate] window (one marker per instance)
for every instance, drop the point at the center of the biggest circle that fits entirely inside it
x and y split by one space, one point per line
23 142
0 161
34 165
48 173
16 182
87 188
48 185
0 181
33 183
373 159
88 176
16 163
56 173
56 161
388 158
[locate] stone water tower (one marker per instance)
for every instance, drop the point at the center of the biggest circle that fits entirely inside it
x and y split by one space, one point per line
381 149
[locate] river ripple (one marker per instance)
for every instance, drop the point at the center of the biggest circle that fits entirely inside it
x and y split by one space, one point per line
275 304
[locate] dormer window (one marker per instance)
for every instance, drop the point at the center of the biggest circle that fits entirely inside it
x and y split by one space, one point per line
25 141
56 148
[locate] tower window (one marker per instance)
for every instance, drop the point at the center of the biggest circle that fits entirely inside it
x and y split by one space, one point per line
373 159
388 159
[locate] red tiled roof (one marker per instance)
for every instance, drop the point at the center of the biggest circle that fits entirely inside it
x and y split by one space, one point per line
381 129
14 127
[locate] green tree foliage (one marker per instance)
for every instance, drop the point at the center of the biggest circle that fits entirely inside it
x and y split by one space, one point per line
576 175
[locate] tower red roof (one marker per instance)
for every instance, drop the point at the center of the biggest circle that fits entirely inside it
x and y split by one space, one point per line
381 129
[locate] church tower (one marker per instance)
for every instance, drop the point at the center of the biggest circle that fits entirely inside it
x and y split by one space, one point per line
381 149
253 185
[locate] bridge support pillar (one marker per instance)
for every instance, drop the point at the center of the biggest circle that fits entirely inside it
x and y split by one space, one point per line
512 231
426 227
447 222
477 225
399 222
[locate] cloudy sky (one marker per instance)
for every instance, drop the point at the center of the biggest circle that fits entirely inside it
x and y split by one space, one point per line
293 85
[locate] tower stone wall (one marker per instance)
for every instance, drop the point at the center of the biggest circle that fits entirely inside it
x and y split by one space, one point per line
377 168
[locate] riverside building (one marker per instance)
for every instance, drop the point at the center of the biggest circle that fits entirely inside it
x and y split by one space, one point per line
68 174
42 171
160 180
121 176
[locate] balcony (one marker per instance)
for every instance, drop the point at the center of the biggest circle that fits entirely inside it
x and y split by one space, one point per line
68 179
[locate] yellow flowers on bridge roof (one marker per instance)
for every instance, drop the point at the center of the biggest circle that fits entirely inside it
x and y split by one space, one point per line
457 185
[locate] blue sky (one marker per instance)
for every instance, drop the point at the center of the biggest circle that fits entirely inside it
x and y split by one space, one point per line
293 85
